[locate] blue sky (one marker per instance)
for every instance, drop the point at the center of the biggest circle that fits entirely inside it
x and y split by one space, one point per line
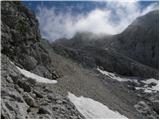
76 7
64 18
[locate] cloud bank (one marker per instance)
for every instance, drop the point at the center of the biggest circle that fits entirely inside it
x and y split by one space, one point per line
112 19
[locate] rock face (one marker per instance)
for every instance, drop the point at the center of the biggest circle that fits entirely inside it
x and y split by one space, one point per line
20 104
13 105
109 59
74 68
133 52
22 44
21 40
140 41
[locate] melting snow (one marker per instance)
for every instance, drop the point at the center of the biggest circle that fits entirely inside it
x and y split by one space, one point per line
151 80
147 88
92 109
36 77
116 77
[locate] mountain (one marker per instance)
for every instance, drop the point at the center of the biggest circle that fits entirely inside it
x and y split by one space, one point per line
22 46
21 40
58 80
140 40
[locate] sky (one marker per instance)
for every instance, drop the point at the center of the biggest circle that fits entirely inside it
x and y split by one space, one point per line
63 19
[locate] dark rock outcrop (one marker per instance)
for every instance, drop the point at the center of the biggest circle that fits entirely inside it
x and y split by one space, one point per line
109 59
21 40
140 41
23 97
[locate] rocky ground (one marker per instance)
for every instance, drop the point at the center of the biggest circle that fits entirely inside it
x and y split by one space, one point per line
74 69
37 100
25 98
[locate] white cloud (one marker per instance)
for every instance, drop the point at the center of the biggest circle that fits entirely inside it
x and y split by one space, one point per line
150 8
111 20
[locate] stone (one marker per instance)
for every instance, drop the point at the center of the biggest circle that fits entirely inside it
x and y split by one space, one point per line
9 79
38 94
15 95
155 106
14 75
29 100
20 90
44 110
52 96
28 62
31 81
24 85
59 101
55 107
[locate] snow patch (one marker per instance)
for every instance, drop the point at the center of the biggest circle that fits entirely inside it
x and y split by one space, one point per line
92 109
150 85
148 88
151 80
116 77
36 77
156 82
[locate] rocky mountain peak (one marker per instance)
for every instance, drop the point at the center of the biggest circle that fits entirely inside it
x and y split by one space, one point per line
140 40
87 76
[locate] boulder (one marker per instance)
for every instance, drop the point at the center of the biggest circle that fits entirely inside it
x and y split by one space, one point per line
44 110
24 85
29 100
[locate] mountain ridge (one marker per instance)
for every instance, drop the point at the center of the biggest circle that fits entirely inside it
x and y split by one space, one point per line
125 45
25 97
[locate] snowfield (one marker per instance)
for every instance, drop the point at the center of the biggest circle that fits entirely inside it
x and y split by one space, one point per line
36 77
148 88
92 109
116 77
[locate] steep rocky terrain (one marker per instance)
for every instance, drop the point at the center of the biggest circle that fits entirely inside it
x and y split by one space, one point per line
25 98
75 70
21 40
22 44
140 41
109 59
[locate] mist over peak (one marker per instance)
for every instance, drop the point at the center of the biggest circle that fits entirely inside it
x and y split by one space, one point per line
88 71
112 18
